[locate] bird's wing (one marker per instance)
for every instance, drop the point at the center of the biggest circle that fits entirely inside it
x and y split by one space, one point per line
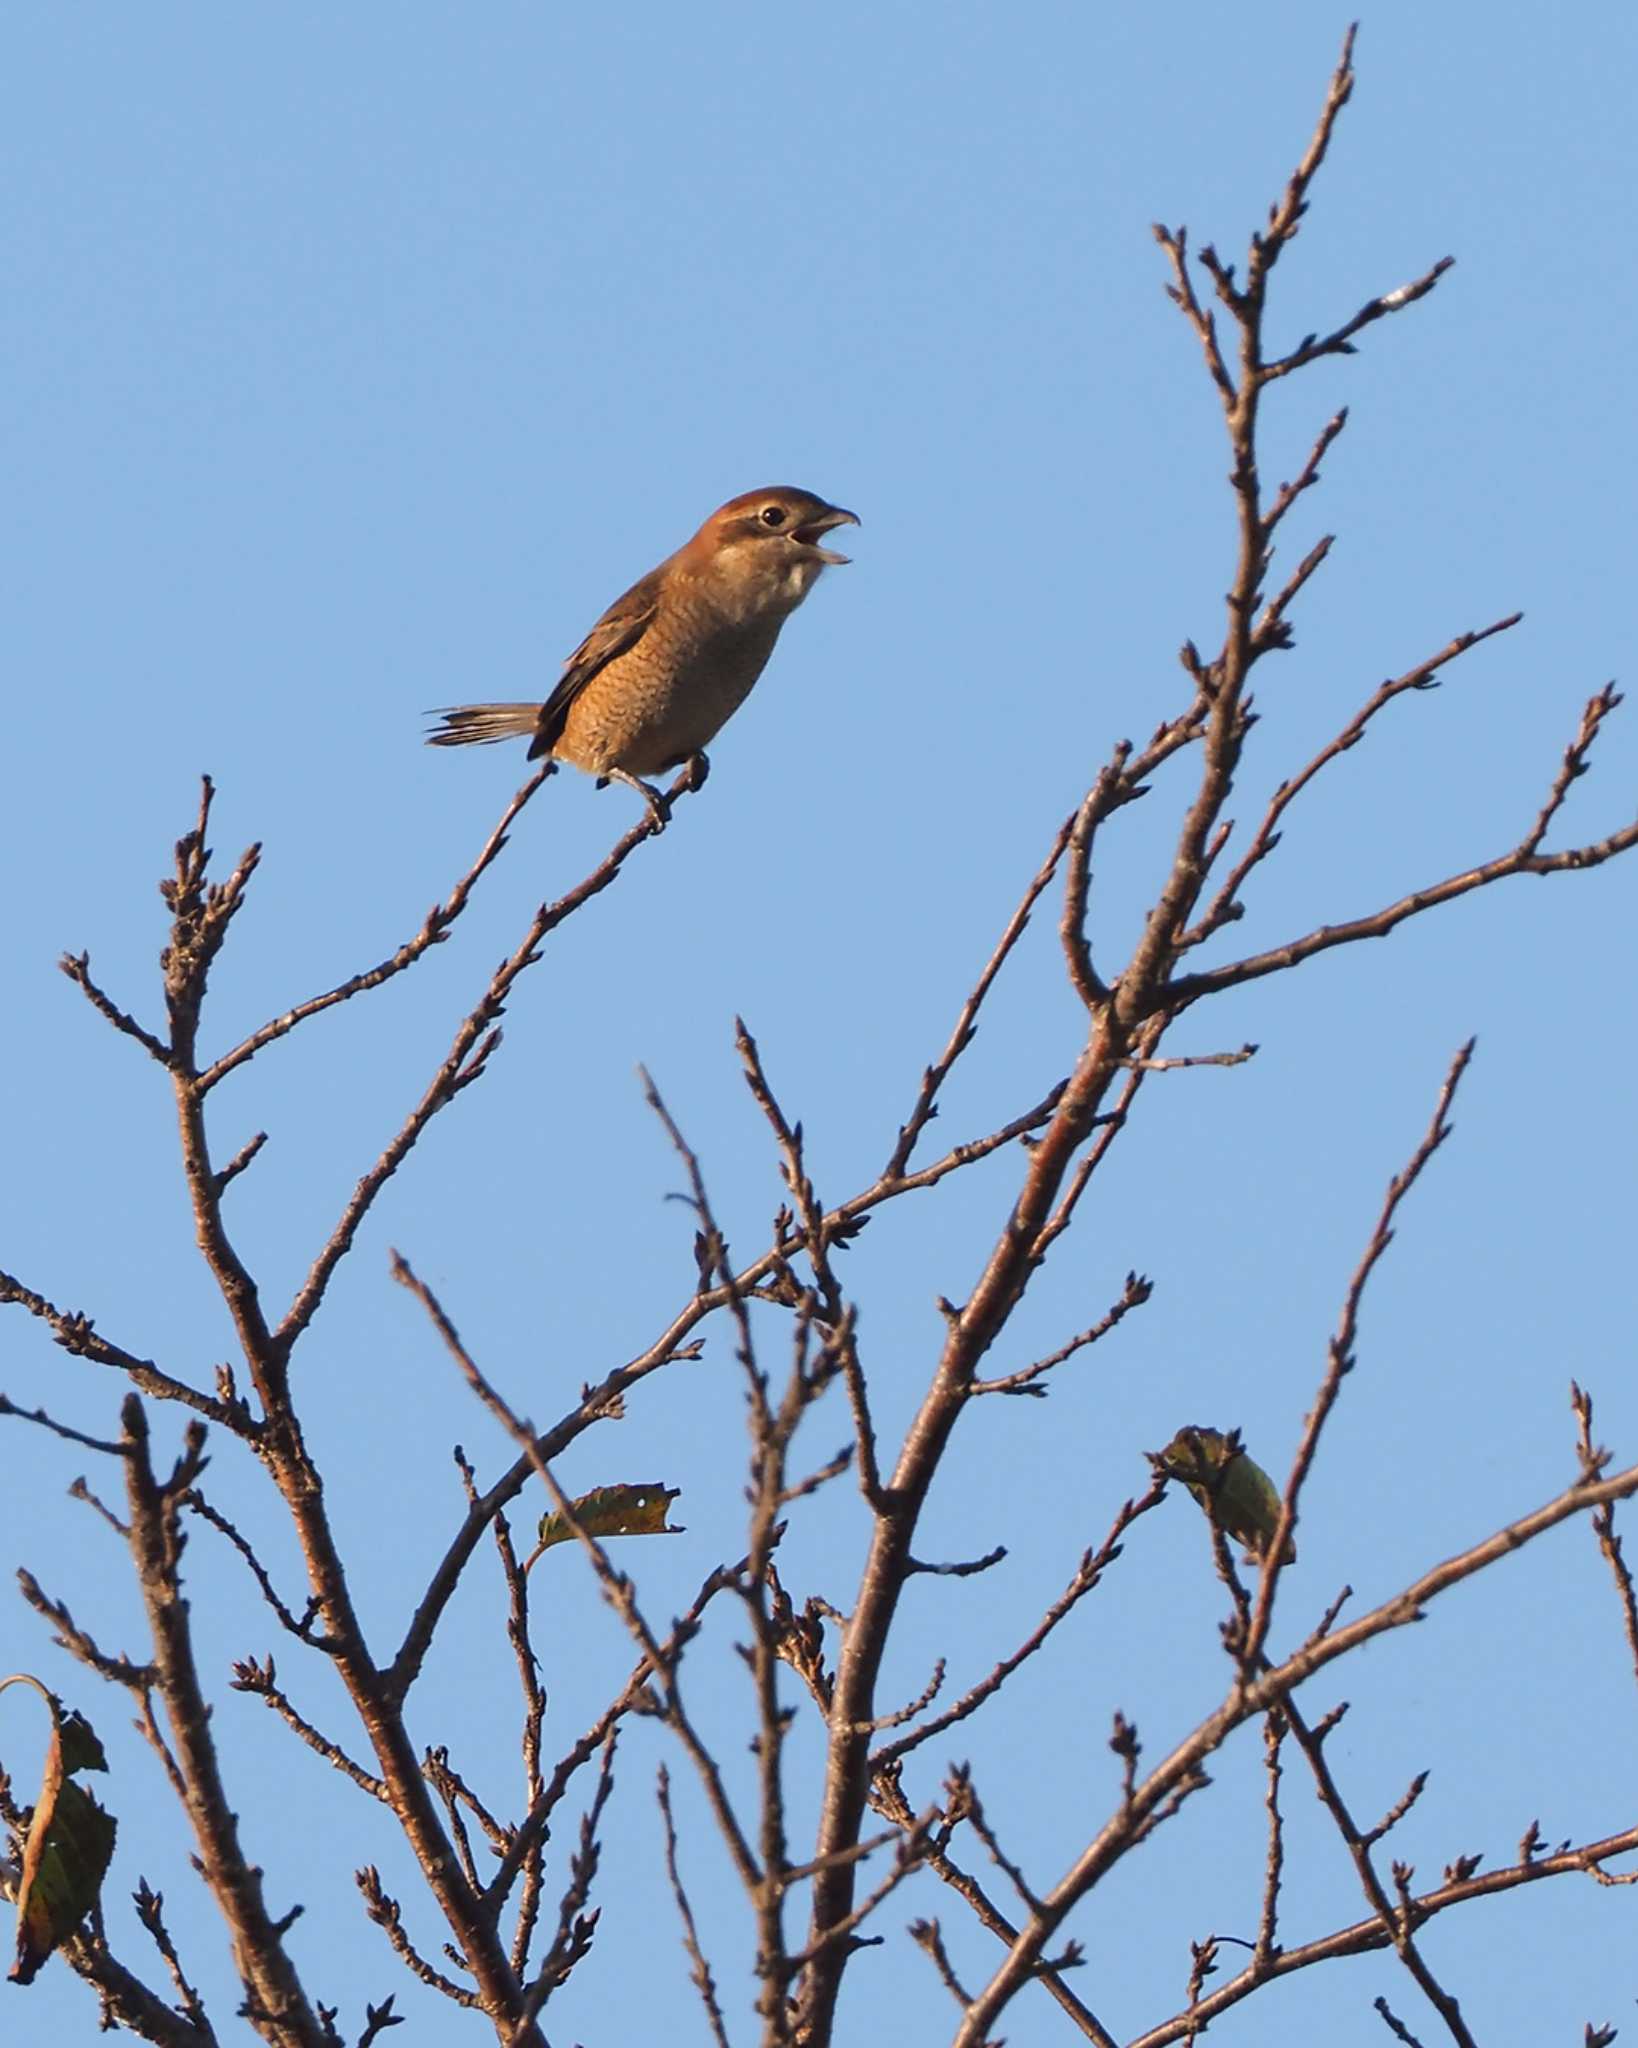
616 633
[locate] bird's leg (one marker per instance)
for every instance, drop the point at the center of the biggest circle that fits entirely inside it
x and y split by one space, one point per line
695 770
659 805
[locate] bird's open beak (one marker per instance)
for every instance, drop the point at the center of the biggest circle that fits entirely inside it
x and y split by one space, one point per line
809 534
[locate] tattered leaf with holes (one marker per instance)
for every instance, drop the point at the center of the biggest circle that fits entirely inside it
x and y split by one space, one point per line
633 1510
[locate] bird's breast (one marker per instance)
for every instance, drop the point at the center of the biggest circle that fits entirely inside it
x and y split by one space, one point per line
670 695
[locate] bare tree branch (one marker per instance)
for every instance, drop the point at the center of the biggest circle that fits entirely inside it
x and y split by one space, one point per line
433 932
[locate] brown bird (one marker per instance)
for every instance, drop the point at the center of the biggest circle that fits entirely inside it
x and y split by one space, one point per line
668 664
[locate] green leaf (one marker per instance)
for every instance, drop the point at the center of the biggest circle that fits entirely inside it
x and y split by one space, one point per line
81 1749
69 1844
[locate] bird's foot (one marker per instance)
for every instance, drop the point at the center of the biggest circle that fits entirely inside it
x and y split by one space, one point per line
659 804
695 769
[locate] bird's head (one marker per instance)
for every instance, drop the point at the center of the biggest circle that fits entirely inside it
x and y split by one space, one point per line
769 543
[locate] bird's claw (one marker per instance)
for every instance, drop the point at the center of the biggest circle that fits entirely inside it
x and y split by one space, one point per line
659 804
694 771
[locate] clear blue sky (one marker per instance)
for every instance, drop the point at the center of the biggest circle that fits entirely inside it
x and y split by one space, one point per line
354 360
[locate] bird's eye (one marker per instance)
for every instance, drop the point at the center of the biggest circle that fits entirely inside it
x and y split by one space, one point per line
773 515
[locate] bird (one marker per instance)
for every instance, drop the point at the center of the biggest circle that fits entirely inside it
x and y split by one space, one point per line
1229 1484
670 662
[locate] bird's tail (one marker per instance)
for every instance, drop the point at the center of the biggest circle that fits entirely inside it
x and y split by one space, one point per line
475 725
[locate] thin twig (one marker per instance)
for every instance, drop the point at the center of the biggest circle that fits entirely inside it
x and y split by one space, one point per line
303 1629
1340 1352
1523 859
66 1431
469 1052
261 1680
700 1970
575 1925
1603 1521
1183 1061
434 929
887 1799
1268 1920
1305 480
77 1335
228 1174
1340 342
388 1916
1423 676
1087 1576
150 1910
966 1024
77 966
1026 1381
1396 1924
